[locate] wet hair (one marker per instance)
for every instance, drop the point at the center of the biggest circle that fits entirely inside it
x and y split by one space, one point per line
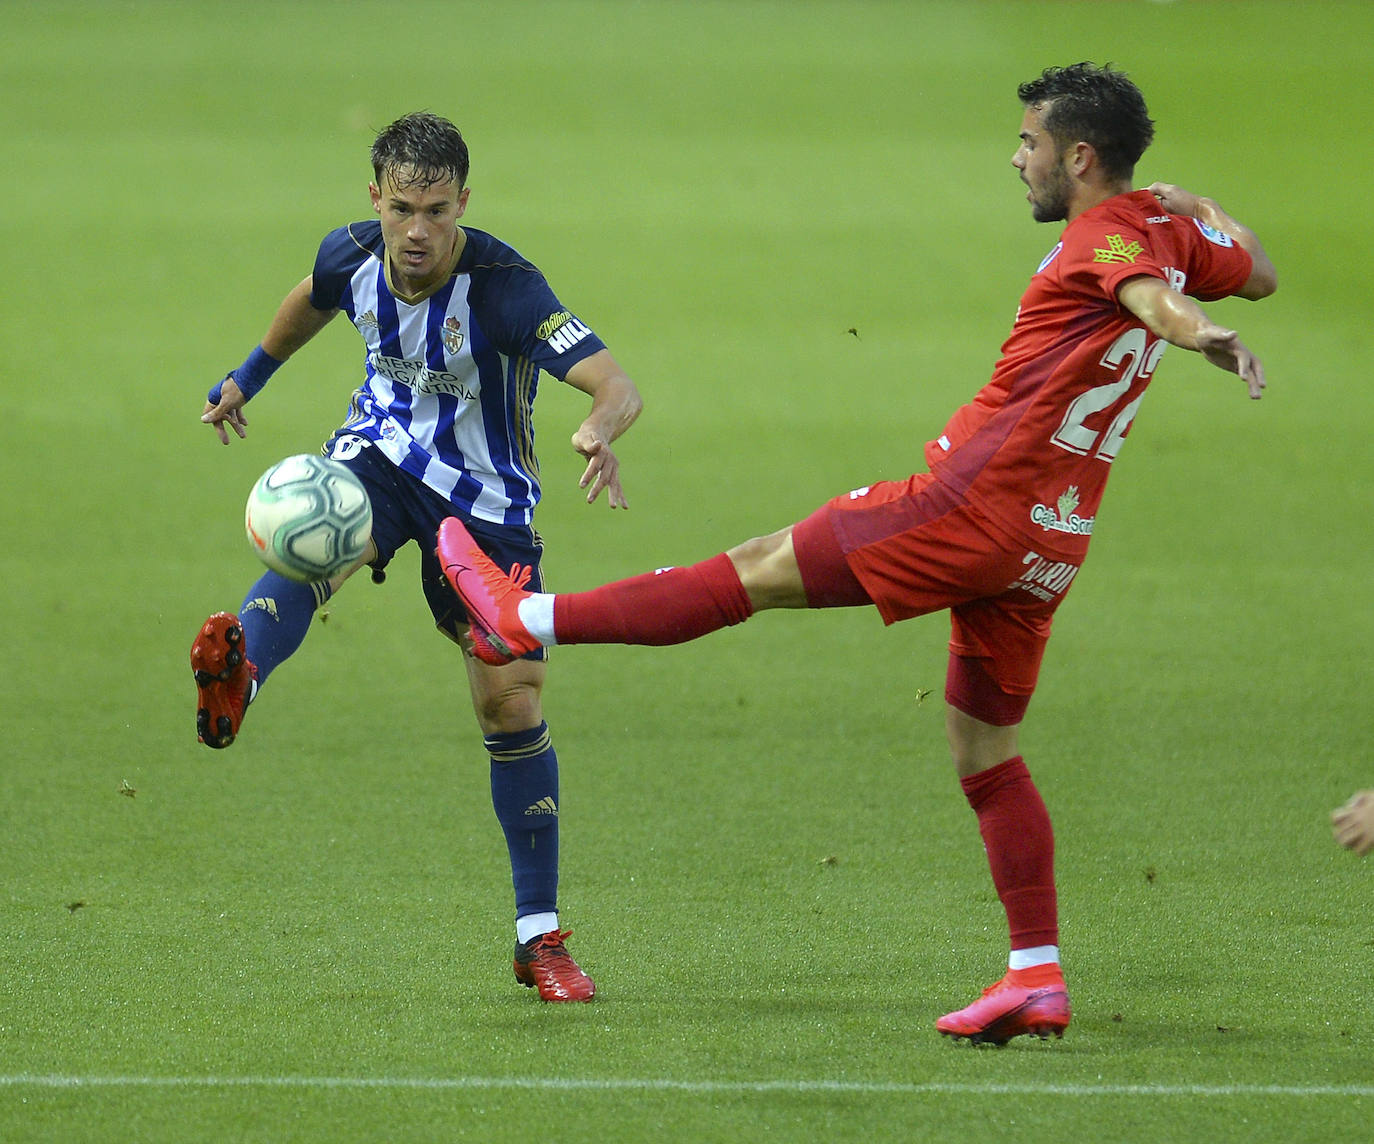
1097 106
427 146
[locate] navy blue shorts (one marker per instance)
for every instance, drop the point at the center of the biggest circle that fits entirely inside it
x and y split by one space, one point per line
405 509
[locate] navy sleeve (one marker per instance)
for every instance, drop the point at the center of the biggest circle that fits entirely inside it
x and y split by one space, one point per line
524 317
340 255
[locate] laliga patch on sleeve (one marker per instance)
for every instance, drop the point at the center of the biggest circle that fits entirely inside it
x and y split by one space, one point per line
1211 234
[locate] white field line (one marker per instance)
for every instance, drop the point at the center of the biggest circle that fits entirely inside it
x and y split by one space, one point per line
709 1087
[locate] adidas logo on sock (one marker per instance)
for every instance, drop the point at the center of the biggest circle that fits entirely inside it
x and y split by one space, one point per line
263 604
545 805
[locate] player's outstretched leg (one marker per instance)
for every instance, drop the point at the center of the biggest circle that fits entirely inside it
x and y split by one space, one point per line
544 963
656 609
1026 1002
492 598
224 676
272 620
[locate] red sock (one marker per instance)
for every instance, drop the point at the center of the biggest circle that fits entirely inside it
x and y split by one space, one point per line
1019 839
658 608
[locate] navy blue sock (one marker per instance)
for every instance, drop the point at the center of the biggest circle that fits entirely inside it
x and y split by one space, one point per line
275 616
524 794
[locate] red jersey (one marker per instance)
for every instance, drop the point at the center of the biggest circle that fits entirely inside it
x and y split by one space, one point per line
1033 449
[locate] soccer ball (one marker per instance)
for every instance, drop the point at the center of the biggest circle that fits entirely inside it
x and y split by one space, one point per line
308 518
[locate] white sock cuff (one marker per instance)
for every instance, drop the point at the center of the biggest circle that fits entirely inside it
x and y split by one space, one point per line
536 613
1036 955
530 926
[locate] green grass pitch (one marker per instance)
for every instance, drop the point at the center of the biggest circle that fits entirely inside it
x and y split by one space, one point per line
797 226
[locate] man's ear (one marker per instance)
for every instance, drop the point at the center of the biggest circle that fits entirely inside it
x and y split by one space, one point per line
1081 158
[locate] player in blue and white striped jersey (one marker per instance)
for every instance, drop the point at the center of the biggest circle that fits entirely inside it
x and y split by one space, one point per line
457 328
451 378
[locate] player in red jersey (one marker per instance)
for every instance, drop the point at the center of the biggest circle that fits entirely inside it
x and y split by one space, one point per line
998 527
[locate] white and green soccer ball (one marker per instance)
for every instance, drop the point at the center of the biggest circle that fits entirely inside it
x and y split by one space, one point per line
308 518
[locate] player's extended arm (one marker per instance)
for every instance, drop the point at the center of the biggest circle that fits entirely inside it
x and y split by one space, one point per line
1182 322
1264 279
615 405
294 324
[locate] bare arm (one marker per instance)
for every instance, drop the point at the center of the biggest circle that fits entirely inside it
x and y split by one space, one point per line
615 405
1182 322
1264 279
294 324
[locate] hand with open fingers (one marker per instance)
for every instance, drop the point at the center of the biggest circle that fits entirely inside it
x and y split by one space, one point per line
227 411
1224 349
602 471
1352 825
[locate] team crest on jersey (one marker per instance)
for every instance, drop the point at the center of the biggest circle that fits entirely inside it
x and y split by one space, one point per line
1050 257
1062 517
453 334
1118 250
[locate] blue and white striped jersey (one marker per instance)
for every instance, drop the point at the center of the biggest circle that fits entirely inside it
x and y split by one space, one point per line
451 380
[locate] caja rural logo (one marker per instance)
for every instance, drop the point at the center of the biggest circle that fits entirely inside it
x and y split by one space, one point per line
1062 517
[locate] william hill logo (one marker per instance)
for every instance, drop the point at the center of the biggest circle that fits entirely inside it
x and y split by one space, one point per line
545 805
562 331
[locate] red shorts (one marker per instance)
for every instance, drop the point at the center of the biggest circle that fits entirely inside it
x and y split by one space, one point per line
913 547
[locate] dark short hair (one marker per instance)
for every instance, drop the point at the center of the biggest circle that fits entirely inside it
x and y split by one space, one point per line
1094 105
429 145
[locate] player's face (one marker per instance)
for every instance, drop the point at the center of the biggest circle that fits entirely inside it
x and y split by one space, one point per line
1041 164
419 228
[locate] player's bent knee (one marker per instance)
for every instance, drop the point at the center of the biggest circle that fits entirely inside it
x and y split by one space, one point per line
975 746
505 714
368 556
767 567
507 699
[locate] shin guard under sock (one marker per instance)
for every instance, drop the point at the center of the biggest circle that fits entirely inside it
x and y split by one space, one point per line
524 794
1019 839
658 608
275 616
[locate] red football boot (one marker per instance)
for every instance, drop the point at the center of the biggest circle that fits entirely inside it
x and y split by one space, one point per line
491 597
1031 1002
224 677
546 965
